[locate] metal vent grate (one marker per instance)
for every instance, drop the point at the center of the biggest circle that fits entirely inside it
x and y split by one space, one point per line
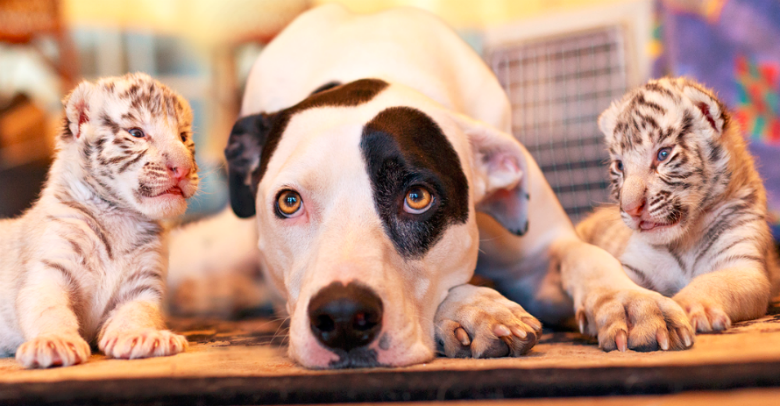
558 87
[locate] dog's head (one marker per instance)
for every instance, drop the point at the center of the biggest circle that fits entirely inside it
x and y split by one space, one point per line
365 198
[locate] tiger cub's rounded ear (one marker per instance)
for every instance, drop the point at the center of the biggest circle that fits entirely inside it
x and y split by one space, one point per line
184 110
77 108
608 118
713 112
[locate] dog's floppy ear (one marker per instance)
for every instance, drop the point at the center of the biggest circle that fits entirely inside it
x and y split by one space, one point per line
500 174
243 151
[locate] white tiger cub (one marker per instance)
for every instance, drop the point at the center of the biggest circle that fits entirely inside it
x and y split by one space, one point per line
692 205
88 261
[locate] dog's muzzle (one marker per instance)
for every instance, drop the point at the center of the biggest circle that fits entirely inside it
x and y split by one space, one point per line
345 317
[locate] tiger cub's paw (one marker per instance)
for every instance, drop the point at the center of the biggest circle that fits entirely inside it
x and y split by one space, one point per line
637 319
144 343
704 314
53 350
481 323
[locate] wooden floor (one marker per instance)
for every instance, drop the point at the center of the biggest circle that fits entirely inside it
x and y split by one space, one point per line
751 397
244 363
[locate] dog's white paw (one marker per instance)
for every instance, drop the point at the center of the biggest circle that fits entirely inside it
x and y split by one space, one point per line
481 323
637 319
142 344
53 350
704 314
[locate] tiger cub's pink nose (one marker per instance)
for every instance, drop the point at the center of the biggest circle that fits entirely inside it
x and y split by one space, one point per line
179 172
634 209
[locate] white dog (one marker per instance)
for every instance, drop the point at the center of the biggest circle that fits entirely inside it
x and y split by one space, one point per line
374 153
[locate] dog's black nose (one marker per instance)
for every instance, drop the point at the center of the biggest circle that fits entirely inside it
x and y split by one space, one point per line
345 317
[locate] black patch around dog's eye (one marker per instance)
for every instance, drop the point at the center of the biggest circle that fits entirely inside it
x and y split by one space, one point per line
254 138
404 147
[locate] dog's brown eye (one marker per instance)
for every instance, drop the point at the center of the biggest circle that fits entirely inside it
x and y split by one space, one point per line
418 200
288 203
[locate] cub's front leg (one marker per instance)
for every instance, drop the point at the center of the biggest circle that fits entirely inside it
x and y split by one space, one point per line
479 322
714 300
610 306
134 327
45 303
634 318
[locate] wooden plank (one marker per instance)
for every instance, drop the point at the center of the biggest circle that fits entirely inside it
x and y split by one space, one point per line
752 397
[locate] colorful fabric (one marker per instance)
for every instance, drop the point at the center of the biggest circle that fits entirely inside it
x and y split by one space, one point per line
731 46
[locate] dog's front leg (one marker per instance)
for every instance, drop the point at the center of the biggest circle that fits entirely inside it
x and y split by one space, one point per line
611 306
479 322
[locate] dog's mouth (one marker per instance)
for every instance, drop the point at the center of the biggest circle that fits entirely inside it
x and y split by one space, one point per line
356 358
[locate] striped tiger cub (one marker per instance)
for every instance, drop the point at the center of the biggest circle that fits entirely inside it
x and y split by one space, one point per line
87 263
691 218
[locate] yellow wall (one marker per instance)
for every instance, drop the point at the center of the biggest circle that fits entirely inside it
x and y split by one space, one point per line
211 21
473 14
214 20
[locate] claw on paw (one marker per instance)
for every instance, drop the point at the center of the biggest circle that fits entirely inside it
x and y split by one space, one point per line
705 317
142 344
518 332
639 320
621 341
483 324
582 322
53 350
462 336
662 336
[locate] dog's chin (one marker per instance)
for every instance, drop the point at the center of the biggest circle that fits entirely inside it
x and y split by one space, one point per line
312 355
417 353
365 357
358 358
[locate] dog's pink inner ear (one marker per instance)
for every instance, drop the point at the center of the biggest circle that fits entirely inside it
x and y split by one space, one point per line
705 110
503 170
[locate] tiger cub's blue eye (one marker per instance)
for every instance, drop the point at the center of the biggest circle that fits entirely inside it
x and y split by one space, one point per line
663 153
136 132
619 165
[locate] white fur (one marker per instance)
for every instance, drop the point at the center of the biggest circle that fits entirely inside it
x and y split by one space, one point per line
549 270
87 262
713 252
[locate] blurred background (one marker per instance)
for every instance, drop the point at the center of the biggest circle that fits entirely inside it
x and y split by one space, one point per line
560 61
